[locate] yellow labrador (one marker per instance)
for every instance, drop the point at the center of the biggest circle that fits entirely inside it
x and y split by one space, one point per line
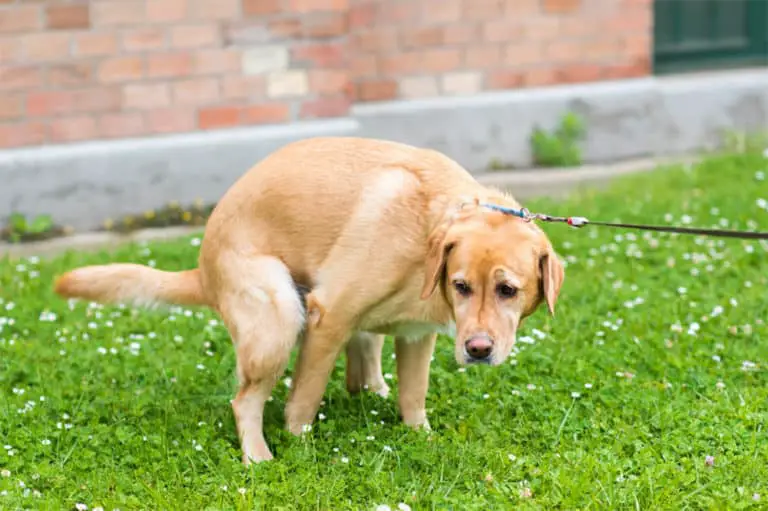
387 239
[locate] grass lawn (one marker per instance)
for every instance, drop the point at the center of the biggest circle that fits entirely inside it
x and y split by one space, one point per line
654 363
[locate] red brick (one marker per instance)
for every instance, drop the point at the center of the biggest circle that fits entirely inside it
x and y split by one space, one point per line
143 39
304 6
484 10
502 30
169 64
70 75
400 13
50 103
598 50
376 41
195 36
523 54
144 96
574 27
22 134
442 11
321 54
328 81
11 106
167 120
10 50
483 56
561 6
72 129
522 8
361 15
217 61
630 21
542 29
46 46
635 69
218 117
288 28
214 9
269 113
637 45
540 77
68 16
376 90
365 66
421 37
336 106
20 18
237 87
20 77
325 25
260 7
579 73
441 59
401 63
196 91
118 13
461 34
95 44
105 98
505 79
118 125
121 69
167 11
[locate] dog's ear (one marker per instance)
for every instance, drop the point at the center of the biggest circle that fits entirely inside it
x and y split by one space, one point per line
552 276
440 245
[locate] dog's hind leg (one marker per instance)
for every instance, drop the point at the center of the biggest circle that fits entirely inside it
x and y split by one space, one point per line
264 315
364 364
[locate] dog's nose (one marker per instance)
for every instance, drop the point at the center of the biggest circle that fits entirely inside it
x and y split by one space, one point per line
479 348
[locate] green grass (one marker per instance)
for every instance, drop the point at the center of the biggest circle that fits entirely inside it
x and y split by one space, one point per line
655 360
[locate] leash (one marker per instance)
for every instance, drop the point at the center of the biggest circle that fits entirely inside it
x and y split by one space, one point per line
579 222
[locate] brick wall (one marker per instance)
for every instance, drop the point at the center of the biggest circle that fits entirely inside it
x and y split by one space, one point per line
73 70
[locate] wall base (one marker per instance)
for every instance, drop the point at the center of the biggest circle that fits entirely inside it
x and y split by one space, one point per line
83 184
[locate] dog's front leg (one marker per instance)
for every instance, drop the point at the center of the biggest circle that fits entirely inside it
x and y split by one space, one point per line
317 356
413 360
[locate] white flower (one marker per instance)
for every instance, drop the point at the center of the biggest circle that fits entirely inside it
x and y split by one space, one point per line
587 385
344 459
575 395
403 507
5 473
241 491
383 507
81 507
45 441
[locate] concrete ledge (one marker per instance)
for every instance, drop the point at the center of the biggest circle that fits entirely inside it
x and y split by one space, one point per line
83 184
624 119
524 184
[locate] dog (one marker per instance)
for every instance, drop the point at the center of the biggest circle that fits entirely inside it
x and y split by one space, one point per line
385 238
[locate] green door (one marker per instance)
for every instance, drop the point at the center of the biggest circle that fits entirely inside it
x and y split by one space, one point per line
709 34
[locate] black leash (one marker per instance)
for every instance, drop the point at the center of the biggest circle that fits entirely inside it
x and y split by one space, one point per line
578 222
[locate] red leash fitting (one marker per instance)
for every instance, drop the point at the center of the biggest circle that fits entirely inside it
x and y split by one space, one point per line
577 221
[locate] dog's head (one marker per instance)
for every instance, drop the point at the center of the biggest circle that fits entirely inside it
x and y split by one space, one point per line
494 271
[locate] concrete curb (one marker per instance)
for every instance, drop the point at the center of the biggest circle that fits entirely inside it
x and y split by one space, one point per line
524 184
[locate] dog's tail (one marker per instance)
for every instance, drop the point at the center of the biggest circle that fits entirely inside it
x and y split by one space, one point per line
132 284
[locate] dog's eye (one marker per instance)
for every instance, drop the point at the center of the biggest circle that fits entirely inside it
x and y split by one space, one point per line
506 291
462 288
